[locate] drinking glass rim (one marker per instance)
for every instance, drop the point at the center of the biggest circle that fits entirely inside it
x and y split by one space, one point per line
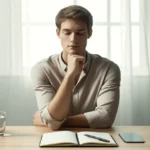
3 113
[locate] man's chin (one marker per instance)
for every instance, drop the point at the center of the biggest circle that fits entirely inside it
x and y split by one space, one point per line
73 52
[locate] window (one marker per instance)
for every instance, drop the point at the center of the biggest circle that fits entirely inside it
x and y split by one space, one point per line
40 40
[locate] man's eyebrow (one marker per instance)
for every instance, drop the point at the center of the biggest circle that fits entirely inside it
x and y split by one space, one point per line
77 30
65 29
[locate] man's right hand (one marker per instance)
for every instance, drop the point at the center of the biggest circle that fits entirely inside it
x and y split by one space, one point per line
75 64
37 119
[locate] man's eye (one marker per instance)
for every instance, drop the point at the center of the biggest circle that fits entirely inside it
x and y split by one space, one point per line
80 33
66 33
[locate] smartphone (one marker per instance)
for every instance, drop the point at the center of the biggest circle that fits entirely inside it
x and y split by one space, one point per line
131 138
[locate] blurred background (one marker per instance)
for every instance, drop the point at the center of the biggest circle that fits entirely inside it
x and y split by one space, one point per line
120 32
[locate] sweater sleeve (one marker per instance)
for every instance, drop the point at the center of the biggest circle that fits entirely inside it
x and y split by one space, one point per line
107 101
44 94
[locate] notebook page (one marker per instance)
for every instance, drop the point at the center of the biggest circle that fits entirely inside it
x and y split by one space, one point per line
58 137
83 139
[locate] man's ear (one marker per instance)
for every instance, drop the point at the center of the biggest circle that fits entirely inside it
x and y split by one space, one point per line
90 33
58 32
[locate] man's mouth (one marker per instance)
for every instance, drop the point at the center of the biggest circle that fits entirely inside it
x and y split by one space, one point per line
73 49
73 46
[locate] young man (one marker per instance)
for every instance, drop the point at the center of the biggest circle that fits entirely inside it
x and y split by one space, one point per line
76 88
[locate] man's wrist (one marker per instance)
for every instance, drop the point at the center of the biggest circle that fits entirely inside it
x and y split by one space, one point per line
69 76
76 121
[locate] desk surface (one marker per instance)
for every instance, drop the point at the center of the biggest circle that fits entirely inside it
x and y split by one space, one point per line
28 137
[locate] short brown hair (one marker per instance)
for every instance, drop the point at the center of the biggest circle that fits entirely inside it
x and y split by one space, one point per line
74 12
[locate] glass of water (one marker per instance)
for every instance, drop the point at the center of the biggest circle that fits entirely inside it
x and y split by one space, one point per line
2 121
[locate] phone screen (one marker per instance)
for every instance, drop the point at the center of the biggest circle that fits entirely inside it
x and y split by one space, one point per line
131 137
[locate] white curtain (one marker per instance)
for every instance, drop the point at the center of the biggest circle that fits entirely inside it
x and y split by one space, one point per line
132 104
10 38
135 83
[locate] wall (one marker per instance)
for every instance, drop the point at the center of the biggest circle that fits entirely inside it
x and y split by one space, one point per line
17 99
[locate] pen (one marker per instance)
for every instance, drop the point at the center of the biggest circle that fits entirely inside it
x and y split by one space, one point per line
98 138
5 134
1 134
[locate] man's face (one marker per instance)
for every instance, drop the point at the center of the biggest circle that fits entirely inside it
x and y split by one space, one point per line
73 35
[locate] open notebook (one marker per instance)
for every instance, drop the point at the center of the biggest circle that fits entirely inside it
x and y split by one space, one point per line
68 138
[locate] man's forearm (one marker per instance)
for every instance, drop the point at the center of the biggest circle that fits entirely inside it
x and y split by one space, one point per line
60 104
76 121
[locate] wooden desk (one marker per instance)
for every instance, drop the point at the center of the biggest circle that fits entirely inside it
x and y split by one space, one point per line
28 137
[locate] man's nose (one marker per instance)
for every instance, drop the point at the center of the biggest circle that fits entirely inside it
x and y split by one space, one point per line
73 37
